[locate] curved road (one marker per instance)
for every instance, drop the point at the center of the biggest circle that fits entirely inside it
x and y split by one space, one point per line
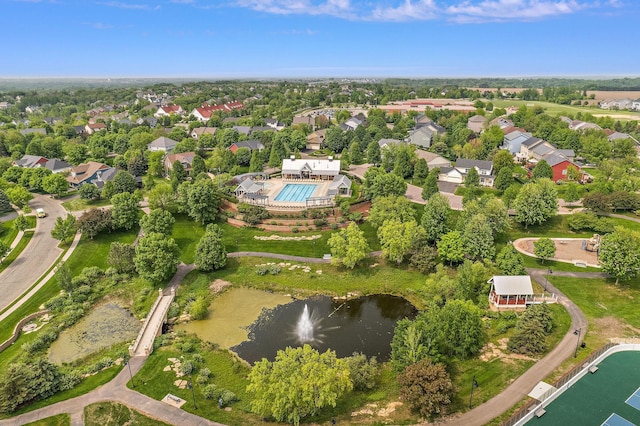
41 252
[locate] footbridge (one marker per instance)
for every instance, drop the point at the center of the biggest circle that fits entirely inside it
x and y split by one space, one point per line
143 346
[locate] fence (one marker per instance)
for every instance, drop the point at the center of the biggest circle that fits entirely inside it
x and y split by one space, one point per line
18 328
532 404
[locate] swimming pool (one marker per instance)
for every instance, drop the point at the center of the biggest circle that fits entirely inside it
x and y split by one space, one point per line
296 192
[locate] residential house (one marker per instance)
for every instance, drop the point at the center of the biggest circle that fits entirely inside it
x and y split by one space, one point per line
510 292
243 130
30 161
315 140
36 131
458 173
385 142
433 160
612 136
540 150
513 140
205 112
57 166
527 146
635 105
4 105
260 129
274 123
167 110
341 185
185 158
578 125
80 130
199 131
92 128
90 173
52 121
501 122
476 123
624 103
306 120
560 165
422 137
251 144
293 168
351 124
163 143
151 121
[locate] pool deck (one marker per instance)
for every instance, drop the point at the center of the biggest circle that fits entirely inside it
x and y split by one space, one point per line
274 186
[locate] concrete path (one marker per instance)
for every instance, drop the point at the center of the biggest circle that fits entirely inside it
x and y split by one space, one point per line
521 387
41 252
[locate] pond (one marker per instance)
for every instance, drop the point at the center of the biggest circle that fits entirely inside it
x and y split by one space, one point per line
104 326
364 325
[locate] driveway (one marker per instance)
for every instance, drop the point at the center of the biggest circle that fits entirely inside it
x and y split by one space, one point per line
41 252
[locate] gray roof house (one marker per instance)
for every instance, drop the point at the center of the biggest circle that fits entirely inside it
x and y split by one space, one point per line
476 123
341 185
386 142
57 166
163 143
251 144
38 131
422 137
513 140
243 130
30 161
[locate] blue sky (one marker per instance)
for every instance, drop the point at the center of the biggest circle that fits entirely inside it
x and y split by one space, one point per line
319 38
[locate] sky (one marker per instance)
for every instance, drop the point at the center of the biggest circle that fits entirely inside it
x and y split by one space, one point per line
247 39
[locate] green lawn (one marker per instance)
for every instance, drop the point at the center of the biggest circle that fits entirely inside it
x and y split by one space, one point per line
59 420
94 252
557 109
187 234
8 232
114 414
80 204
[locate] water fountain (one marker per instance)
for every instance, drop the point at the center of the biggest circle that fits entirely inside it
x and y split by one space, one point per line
304 328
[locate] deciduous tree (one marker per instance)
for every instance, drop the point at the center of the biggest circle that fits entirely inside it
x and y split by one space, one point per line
544 248
124 212
156 257
297 384
510 262
157 220
620 254
430 186
89 192
390 208
55 184
121 257
398 238
477 238
348 246
64 229
94 221
435 217
210 252
542 170
451 247
426 387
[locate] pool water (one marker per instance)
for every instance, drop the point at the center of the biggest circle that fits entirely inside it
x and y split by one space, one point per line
296 192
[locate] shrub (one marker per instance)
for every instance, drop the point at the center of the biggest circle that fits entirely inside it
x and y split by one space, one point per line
589 221
319 223
363 371
187 367
295 230
274 269
334 226
228 397
262 270
211 392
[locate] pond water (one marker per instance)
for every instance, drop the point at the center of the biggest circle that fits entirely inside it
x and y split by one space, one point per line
364 325
231 313
104 326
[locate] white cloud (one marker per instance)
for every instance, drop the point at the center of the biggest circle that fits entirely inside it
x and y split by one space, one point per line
503 10
460 11
133 6
98 25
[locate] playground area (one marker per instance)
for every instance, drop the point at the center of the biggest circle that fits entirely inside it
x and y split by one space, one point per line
609 396
578 251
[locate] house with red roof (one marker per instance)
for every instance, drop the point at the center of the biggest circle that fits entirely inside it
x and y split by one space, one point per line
167 110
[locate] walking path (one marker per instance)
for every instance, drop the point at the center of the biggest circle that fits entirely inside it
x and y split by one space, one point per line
521 387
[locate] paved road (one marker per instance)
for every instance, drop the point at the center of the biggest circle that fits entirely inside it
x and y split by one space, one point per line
38 256
521 387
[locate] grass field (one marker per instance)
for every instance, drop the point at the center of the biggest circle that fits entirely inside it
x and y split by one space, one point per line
78 204
557 109
59 420
114 414
595 397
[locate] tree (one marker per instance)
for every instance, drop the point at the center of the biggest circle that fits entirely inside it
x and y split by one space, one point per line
89 192
19 196
504 179
203 201
108 190
472 180
64 229
24 382
373 153
156 164
398 238
403 165
348 246
162 197
431 183
460 329
210 252
94 221
177 174
534 204
158 220
363 371
121 257
531 331
544 248
256 163
542 170
413 341
198 166
55 184
21 223
378 183
123 181
510 262
426 387
4 250
156 257
477 238
124 212
451 247
420 171
502 160
620 254
390 207
5 205
435 217
64 278
297 384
